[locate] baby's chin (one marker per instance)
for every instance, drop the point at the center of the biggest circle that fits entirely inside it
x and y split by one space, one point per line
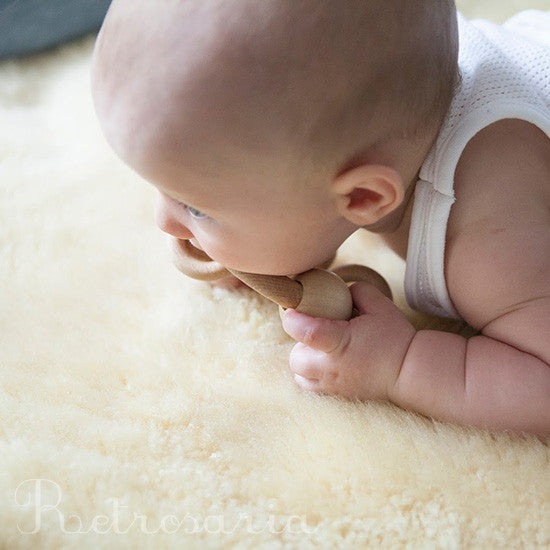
282 268
287 269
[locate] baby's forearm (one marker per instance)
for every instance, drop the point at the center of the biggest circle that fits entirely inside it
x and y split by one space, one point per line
477 382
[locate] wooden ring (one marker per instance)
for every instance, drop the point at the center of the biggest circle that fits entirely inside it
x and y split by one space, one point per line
194 262
351 273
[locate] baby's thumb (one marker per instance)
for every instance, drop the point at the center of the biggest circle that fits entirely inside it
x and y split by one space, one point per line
368 299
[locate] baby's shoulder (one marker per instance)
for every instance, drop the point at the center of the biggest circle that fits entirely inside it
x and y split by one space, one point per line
498 236
502 175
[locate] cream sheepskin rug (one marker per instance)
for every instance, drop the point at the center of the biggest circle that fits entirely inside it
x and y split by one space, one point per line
140 409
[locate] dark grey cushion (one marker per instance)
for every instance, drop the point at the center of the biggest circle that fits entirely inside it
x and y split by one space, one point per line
28 26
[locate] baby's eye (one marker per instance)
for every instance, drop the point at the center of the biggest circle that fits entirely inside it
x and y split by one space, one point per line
194 212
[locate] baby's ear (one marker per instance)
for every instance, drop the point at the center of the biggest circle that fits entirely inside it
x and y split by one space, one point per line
367 193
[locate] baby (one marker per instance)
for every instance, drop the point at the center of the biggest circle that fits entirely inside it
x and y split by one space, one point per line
274 129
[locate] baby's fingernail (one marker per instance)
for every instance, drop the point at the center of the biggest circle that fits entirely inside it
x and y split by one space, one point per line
287 311
285 315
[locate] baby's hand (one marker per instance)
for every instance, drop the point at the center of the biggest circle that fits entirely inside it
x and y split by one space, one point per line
360 358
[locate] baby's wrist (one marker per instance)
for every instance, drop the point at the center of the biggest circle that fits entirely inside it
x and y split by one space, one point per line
399 364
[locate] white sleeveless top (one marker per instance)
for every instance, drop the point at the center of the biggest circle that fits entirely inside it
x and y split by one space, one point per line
505 73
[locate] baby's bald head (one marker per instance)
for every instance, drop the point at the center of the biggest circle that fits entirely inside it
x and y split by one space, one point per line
305 81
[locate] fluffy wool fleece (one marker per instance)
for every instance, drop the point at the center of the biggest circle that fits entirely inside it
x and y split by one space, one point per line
140 409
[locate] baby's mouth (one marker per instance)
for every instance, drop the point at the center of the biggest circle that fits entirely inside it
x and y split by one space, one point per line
194 242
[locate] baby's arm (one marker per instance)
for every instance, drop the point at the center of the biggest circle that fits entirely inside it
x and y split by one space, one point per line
500 281
481 381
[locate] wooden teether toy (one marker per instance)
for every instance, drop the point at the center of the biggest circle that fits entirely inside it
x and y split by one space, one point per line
317 292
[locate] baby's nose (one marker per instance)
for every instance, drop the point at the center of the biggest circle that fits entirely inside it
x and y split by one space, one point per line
168 222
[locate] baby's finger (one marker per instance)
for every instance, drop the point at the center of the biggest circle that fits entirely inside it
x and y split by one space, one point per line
306 361
321 334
